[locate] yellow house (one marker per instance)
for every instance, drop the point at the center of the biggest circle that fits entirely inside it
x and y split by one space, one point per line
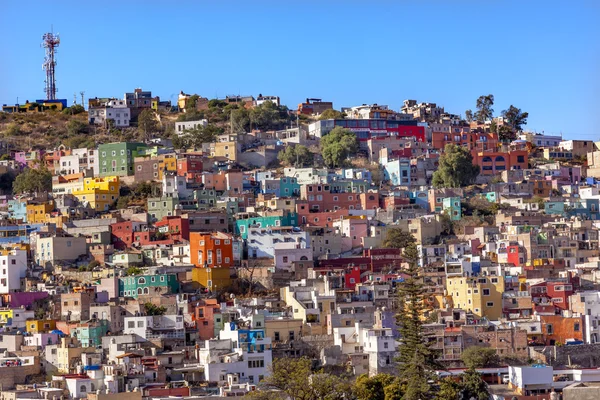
100 193
224 149
5 315
281 330
41 325
37 213
168 163
212 278
68 350
482 295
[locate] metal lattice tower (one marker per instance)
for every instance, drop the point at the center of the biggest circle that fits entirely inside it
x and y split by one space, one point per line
50 43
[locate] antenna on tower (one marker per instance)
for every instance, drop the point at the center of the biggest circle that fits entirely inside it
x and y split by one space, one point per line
82 102
50 43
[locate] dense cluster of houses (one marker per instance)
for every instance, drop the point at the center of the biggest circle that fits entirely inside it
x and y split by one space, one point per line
194 288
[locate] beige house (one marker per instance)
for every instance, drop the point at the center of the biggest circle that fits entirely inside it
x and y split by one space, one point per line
53 249
283 329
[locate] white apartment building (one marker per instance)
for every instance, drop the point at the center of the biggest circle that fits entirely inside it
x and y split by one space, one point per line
155 326
264 242
249 355
13 267
114 109
183 126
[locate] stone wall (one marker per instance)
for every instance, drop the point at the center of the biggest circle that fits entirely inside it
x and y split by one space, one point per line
584 355
11 376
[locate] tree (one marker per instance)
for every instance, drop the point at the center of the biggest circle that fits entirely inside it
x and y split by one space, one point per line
332 114
469 115
449 390
337 146
131 271
372 388
74 109
515 117
479 357
456 168
268 116
473 386
484 108
152 309
76 127
298 156
396 238
295 379
416 360
147 122
506 133
33 180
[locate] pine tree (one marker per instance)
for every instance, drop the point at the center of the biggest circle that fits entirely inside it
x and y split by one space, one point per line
416 360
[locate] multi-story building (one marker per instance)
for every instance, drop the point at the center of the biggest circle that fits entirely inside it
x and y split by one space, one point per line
99 193
59 249
366 129
118 158
314 106
149 285
13 267
212 254
481 295
101 111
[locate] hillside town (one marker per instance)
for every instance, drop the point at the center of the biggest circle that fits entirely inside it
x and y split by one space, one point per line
230 243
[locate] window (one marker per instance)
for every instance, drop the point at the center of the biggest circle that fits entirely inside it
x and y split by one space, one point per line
549 329
285 259
489 304
131 324
576 327
486 292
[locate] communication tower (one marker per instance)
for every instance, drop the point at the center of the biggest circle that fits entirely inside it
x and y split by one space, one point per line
50 43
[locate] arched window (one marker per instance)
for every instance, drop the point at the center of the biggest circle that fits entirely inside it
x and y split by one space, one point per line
140 291
141 281
487 159
303 258
371 197
82 388
146 291
499 159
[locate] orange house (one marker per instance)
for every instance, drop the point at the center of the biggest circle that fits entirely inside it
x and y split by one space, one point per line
212 254
494 162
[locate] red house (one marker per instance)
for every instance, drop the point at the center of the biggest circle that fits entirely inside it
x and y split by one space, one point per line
190 166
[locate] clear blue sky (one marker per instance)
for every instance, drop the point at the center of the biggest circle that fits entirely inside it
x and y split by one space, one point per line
542 56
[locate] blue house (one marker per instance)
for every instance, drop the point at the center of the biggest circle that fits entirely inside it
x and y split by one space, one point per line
17 210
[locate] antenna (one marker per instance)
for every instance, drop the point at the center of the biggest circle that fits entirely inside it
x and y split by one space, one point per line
74 98
82 102
50 43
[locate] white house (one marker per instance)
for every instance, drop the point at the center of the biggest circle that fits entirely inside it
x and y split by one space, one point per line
183 126
115 110
13 267
155 326
264 242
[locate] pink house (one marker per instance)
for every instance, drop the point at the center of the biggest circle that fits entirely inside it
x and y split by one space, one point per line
355 228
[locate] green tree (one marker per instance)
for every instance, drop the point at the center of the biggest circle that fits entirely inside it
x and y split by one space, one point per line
337 146
12 129
456 168
332 114
74 109
6 181
152 309
298 156
268 116
190 102
145 189
469 115
479 357
506 133
372 388
449 389
76 127
473 386
295 380
147 122
416 360
515 117
396 238
33 180
131 271
484 108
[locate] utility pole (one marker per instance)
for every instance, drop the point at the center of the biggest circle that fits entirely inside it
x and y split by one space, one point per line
82 102
74 98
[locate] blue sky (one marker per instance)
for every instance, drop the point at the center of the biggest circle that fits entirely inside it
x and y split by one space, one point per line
541 56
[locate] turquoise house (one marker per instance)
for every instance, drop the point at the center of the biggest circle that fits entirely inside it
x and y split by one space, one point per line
452 206
134 286
288 186
242 224
90 333
17 210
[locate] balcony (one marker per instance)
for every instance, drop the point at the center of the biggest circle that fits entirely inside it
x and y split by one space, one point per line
165 335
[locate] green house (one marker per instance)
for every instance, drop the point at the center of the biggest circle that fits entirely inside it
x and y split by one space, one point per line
452 206
90 333
159 207
117 158
134 286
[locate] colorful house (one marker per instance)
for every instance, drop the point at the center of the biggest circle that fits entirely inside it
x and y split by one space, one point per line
245 221
37 213
100 193
452 206
212 254
134 286
118 158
